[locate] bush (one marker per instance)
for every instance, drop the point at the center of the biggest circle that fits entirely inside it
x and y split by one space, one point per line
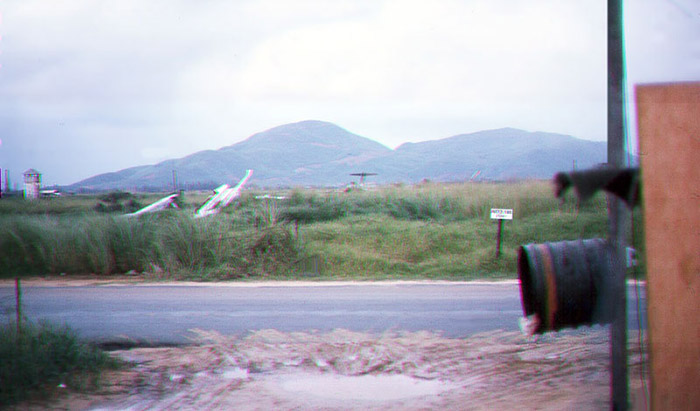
273 252
42 356
314 208
116 197
117 202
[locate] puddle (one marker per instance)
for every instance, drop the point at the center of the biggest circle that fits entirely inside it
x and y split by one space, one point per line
358 371
366 387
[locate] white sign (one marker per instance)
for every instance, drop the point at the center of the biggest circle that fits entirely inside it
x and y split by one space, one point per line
501 214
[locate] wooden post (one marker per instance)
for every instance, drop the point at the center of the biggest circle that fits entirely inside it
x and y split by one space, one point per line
669 137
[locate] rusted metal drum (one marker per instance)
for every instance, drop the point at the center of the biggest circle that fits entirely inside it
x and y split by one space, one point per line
563 284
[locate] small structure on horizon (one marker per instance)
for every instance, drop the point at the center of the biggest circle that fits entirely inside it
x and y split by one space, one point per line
32 184
7 181
362 176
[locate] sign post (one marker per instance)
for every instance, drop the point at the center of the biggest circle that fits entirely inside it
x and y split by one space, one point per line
500 214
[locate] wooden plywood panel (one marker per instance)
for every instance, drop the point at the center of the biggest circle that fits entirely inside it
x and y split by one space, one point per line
669 137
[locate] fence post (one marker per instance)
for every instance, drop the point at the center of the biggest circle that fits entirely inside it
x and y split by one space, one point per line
18 305
618 214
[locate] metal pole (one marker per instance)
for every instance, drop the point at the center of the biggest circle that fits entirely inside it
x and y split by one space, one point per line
618 214
18 305
498 238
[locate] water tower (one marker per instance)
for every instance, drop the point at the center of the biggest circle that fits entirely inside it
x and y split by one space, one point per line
32 184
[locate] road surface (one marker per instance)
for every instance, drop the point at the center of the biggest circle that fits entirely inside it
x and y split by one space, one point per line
164 314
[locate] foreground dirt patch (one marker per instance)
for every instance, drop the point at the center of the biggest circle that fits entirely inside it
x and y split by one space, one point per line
349 370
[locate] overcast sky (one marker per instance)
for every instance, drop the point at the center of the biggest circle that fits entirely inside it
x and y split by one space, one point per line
93 86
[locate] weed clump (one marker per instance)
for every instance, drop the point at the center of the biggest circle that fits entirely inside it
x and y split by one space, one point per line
42 356
117 201
273 251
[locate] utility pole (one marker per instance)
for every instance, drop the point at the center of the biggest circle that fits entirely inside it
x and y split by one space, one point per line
174 181
618 213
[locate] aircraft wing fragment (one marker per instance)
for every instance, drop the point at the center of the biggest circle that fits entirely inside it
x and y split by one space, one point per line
160 205
223 196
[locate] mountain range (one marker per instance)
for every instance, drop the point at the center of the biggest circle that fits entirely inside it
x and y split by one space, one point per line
317 153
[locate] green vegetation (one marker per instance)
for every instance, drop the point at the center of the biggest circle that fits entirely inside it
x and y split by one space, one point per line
117 201
424 231
42 356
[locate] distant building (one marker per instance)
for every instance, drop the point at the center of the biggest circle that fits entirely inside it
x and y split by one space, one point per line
32 184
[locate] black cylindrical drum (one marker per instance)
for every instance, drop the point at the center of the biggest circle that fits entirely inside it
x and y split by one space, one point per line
561 284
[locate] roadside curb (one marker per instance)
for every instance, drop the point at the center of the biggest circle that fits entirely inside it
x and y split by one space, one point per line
121 282
60 282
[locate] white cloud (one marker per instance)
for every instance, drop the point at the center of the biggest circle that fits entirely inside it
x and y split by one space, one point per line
442 50
663 40
130 81
422 59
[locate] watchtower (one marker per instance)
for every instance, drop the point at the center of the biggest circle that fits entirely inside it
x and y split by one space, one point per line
32 184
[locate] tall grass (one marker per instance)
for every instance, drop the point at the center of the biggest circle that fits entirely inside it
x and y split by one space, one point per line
170 242
428 230
42 356
439 202
382 246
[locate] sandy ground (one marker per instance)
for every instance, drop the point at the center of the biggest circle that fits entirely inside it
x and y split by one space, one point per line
344 370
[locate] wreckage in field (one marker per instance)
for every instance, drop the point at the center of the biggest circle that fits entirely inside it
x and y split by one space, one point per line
223 196
160 205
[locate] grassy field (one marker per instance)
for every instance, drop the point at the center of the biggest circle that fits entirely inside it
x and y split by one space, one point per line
437 231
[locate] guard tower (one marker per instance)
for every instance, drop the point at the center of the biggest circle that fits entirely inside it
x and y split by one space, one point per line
32 184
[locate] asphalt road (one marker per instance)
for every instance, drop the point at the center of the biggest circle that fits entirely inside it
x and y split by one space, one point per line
164 314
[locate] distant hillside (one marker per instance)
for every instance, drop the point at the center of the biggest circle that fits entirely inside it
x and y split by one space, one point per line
309 152
505 153
323 154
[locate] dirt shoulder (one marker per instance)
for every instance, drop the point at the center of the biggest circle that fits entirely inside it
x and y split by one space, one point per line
348 370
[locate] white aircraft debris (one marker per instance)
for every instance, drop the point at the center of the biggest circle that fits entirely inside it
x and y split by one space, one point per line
160 205
223 196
